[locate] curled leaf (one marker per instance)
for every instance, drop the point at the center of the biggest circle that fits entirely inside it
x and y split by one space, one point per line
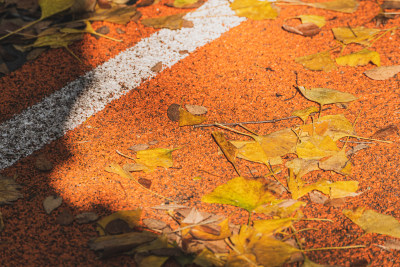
305 29
360 35
324 96
187 119
315 19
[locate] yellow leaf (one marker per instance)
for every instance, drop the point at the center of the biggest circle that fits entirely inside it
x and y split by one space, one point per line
206 258
317 20
183 3
301 166
131 217
187 119
267 251
318 61
304 113
341 189
337 163
272 225
360 35
374 222
252 151
254 9
88 29
281 209
239 192
199 232
324 96
156 157
279 143
316 147
360 58
51 7
229 150
172 22
345 6
309 263
338 126
116 14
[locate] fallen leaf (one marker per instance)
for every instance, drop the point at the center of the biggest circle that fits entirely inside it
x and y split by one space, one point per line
374 222
196 109
88 29
318 61
117 226
50 203
336 202
145 182
86 217
386 131
173 112
194 217
317 197
186 3
229 150
272 226
391 4
255 9
252 151
324 96
301 166
266 250
360 58
9 190
360 35
117 14
156 157
200 232
315 19
281 208
338 126
316 147
65 217
83 6
42 163
305 29
113 244
172 22
188 119
345 6
303 114
383 72
139 147
130 217
152 260
157 67
154 224
239 192
338 162
393 244
208 259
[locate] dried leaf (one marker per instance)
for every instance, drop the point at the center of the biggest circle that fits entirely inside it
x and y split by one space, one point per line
200 233
383 72
324 96
153 261
393 244
229 150
252 151
173 112
266 251
315 19
87 29
139 147
305 29
172 22
303 114
130 217
374 222
156 157
187 3
360 58
65 217
187 119
301 166
239 192
386 131
345 6
338 162
360 35
281 208
117 14
51 7
272 225
391 4
196 109
9 190
254 9
338 126
316 147
317 197
82 6
157 67
86 217
51 203
208 259
318 61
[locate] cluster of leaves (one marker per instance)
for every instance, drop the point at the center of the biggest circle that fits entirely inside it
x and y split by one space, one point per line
267 242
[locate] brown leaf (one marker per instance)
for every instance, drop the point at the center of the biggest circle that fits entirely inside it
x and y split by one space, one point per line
42 163
9 190
383 72
391 4
154 224
230 151
117 14
51 203
145 182
144 3
83 6
393 244
196 109
86 217
65 217
318 197
305 29
173 112
172 22
382 133
157 67
138 147
336 202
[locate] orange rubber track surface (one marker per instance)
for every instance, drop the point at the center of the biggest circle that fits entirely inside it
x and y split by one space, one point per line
245 75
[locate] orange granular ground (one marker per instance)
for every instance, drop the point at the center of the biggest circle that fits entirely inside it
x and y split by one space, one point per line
245 75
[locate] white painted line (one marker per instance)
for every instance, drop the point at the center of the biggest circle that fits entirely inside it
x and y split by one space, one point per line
67 108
